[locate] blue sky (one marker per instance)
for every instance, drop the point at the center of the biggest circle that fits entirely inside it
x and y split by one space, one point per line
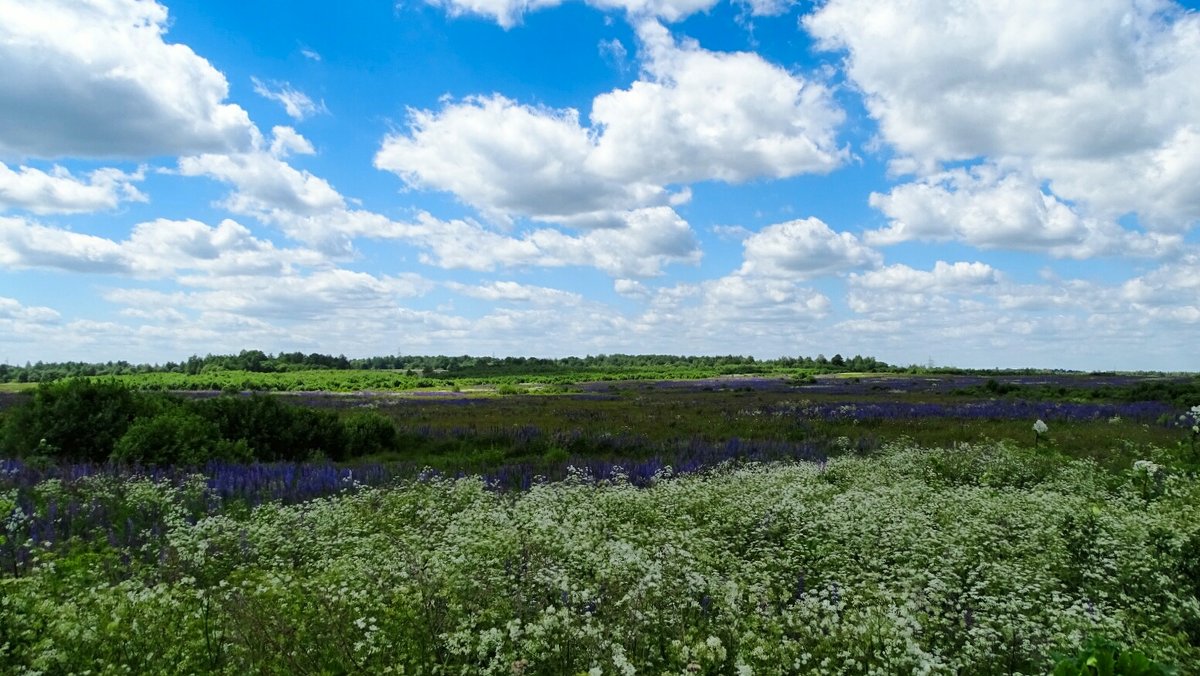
974 183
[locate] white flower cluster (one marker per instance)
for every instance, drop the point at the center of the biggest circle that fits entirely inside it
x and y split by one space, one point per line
1192 418
902 563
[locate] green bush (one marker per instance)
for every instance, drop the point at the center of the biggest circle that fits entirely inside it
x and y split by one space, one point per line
176 436
73 419
1101 657
368 433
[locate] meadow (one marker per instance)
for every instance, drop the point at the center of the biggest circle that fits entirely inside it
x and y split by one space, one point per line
770 524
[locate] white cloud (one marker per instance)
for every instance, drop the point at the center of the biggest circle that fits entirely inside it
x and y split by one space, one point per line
11 310
154 249
637 242
695 115
507 291
702 115
630 288
803 249
27 328
267 187
25 245
94 78
648 240
295 103
899 290
1096 98
509 13
508 159
286 141
990 208
57 191
943 278
296 297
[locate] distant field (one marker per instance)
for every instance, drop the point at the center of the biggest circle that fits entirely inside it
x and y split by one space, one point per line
384 381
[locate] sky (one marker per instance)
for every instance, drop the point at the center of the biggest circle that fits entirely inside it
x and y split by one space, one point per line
959 182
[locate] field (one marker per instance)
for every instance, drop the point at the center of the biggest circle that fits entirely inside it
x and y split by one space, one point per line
768 524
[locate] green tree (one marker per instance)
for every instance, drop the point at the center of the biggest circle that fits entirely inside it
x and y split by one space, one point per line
79 419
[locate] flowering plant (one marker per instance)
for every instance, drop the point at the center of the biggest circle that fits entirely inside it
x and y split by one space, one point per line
1039 428
1192 419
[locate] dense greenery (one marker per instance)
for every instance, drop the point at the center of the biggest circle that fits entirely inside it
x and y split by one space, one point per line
94 421
484 369
100 419
984 559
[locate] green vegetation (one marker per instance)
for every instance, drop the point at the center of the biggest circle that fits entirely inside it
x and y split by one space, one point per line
946 532
99 420
406 372
915 560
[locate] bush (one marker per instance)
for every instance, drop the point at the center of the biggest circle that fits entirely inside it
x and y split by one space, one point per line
368 433
275 431
177 436
81 420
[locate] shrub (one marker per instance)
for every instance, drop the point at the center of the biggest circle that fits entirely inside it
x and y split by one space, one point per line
176 436
368 433
78 419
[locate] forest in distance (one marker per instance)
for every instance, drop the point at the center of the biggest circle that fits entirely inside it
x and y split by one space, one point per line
257 361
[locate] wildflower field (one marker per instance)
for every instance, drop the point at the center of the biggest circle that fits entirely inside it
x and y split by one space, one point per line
718 526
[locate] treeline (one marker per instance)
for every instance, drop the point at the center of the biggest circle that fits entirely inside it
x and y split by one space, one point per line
83 420
257 361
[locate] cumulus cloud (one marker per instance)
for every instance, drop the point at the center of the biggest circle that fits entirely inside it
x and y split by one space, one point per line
990 208
295 103
58 192
11 310
629 242
694 115
899 289
1097 99
803 249
264 182
648 240
95 78
505 158
944 277
507 291
267 187
154 249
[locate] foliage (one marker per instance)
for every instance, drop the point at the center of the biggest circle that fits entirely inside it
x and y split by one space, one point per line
903 562
175 436
95 421
74 419
1100 657
485 368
